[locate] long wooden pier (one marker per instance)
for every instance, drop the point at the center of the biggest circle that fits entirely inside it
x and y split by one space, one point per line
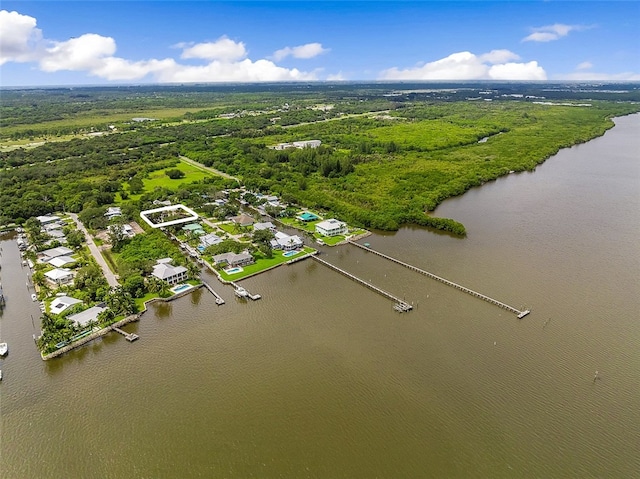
130 336
401 306
520 314
219 299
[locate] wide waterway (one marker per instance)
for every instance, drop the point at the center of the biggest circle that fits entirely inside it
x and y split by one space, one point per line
322 379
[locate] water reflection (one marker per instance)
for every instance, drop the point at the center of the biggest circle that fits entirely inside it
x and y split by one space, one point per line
195 296
162 310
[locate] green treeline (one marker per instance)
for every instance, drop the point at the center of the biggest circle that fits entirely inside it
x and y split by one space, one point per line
389 167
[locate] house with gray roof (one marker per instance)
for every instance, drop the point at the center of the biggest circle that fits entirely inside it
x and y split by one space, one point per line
83 318
233 259
62 303
165 271
59 276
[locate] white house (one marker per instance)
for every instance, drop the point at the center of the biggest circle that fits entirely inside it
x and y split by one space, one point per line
331 227
49 254
285 242
210 239
60 261
165 271
85 317
113 211
233 259
47 219
59 276
268 225
62 303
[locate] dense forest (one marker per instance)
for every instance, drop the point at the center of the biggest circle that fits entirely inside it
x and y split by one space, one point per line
389 155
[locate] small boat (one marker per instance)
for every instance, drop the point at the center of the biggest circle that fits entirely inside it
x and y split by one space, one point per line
34 297
241 292
0 374
4 348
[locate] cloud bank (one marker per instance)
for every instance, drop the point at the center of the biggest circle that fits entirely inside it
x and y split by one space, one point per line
225 60
495 65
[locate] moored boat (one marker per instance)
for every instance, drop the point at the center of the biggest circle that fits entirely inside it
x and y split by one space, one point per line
4 348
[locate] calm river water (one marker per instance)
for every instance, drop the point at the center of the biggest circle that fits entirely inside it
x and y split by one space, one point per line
322 379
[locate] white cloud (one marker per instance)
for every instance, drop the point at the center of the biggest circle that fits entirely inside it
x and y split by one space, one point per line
225 59
83 53
306 51
19 37
549 33
498 56
467 66
222 49
584 66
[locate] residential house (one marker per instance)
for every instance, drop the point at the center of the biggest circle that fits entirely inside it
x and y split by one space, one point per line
210 240
165 271
265 226
62 303
87 316
47 219
285 242
49 254
233 259
307 217
194 229
59 276
331 227
243 220
60 261
113 211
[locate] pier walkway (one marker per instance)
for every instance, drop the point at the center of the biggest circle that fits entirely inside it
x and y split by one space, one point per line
400 306
130 336
520 314
219 299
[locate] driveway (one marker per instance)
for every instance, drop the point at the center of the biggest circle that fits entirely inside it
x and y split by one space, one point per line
110 277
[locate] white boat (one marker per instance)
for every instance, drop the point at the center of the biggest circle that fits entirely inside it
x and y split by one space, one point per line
241 292
34 297
0 374
4 348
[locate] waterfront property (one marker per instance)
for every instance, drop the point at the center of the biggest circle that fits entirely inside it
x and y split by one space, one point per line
60 261
49 254
62 303
331 227
59 276
165 271
285 242
83 318
233 259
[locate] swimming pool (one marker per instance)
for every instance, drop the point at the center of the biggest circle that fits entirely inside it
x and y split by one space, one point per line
233 270
180 287
286 254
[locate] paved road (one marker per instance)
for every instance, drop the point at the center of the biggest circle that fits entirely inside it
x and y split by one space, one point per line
111 278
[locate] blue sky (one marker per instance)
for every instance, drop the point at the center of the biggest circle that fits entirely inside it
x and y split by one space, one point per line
112 42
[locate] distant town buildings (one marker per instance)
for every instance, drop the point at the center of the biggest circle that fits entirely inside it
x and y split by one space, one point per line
297 144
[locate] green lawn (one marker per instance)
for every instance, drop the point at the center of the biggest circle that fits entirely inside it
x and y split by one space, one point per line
159 179
262 264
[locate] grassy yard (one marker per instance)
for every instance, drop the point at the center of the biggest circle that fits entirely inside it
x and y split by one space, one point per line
159 179
262 264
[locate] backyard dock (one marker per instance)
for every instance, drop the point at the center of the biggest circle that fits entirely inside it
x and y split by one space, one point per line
400 305
219 299
243 293
520 314
129 336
